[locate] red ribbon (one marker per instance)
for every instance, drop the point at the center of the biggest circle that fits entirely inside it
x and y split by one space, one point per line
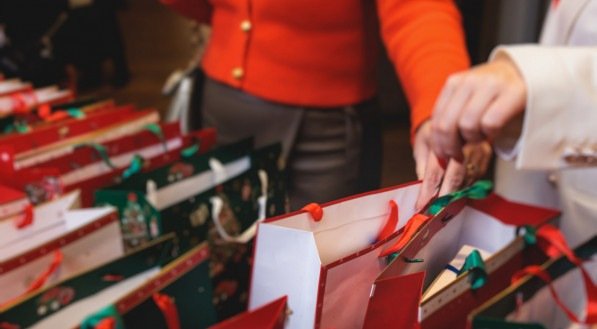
391 222
553 244
107 323
6 325
411 228
43 277
315 210
535 270
166 304
27 218
40 280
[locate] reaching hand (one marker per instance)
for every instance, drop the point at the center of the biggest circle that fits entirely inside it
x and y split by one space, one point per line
440 181
475 106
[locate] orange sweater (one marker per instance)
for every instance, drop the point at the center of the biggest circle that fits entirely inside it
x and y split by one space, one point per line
322 52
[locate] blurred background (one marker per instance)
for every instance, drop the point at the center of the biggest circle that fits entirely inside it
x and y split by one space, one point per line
127 49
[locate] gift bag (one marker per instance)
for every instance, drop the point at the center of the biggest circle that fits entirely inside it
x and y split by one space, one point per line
12 86
177 296
76 109
12 202
268 316
326 259
28 100
55 247
19 151
561 293
90 166
62 304
429 243
142 198
218 198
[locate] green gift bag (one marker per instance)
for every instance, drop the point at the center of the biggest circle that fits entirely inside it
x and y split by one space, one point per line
178 296
237 191
142 198
59 305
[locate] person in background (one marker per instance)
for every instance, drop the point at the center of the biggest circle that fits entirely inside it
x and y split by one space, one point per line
303 72
537 103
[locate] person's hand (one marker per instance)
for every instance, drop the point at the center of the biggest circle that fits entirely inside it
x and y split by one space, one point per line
475 106
438 180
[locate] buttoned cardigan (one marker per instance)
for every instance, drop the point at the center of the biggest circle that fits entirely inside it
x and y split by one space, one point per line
322 53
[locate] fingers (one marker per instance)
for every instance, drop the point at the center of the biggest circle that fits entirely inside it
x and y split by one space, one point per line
446 138
453 179
469 122
504 108
432 178
421 149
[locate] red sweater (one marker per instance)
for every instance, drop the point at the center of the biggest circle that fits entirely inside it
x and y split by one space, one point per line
322 52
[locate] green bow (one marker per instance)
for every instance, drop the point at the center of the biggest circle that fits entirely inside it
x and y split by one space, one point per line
479 190
93 320
75 112
135 167
189 151
475 266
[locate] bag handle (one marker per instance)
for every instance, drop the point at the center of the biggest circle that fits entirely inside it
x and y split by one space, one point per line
26 219
156 130
391 222
41 279
249 233
168 308
552 242
537 271
101 150
478 190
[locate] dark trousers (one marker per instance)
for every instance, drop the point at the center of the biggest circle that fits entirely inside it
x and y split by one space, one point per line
329 153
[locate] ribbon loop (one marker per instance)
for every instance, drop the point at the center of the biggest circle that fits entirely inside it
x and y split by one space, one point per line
101 150
314 210
136 165
475 266
155 129
479 190
166 304
391 222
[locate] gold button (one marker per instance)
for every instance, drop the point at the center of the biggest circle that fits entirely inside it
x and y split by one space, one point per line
246 25
238 73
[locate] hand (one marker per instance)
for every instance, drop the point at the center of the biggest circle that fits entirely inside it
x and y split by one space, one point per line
440 181
475 106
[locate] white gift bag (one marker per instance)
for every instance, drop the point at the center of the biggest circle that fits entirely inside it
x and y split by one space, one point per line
77 240
335 257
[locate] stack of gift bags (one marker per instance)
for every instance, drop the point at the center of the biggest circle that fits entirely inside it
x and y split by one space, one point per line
111 219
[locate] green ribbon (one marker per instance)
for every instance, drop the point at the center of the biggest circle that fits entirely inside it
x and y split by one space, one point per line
135 167
190 151
91 321
75 112
475 266
155 129
479 190
19 127
101 151
530 235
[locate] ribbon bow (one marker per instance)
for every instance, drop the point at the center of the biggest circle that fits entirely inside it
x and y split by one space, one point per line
479 190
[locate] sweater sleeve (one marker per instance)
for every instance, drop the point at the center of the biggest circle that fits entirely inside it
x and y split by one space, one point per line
197 10
425 41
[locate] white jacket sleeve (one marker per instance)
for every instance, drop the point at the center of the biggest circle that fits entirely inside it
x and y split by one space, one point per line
559 128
